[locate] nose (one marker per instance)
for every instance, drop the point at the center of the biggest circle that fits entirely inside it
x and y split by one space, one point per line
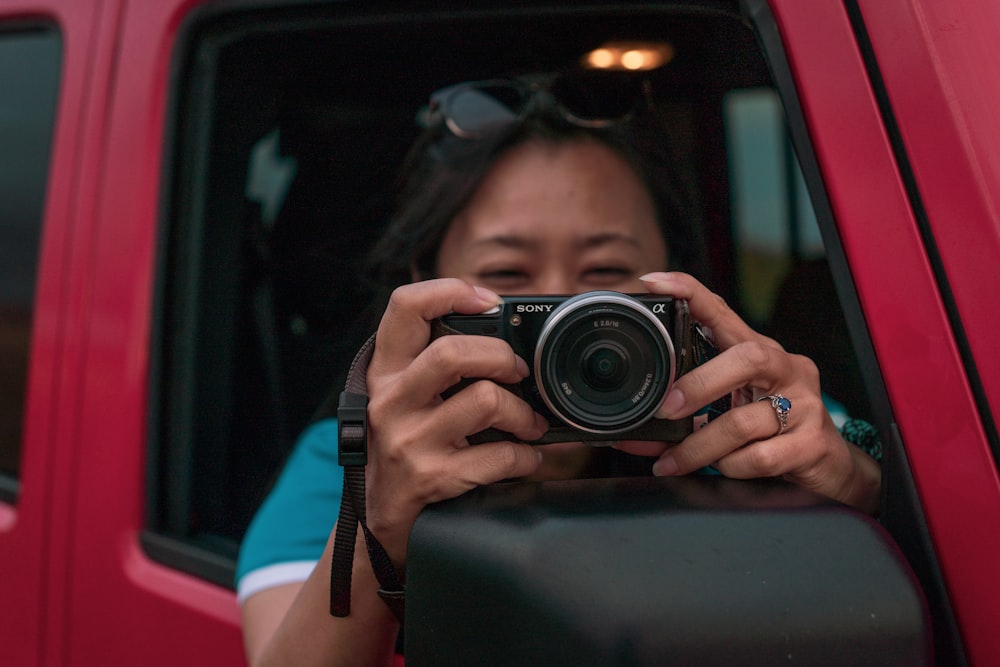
555 281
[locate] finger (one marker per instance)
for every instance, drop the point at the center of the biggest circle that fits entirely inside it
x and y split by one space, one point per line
402 483
728 433
788 455
405 327
485 404
767 458
706 307
494 461
428 478
642 447
752 364
450 359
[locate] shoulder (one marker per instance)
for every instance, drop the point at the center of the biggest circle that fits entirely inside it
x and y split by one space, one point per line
289 531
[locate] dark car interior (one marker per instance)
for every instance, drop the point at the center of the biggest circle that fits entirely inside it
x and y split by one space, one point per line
287 127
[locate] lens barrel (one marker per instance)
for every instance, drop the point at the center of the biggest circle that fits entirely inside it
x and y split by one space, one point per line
603 362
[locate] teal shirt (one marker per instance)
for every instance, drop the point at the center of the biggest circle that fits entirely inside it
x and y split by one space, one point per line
290 530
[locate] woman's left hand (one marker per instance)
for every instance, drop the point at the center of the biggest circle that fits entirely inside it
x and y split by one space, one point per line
751 440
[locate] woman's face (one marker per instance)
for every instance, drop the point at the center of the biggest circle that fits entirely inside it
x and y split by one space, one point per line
556 219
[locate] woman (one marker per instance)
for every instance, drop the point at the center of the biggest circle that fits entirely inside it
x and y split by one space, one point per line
535 200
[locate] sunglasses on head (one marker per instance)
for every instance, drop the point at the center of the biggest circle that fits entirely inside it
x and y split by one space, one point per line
475 109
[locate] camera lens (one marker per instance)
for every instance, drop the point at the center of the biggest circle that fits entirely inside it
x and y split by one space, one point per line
603 362
605 365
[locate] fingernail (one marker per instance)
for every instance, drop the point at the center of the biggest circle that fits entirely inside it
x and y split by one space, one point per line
542 424
522 367
487 295
672 404
666 466
655 277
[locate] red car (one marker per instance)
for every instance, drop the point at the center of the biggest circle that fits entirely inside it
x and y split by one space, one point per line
188 187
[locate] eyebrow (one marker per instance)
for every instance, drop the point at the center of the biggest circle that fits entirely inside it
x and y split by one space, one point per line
593 241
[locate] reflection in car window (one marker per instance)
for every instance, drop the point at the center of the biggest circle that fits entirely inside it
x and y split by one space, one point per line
772 215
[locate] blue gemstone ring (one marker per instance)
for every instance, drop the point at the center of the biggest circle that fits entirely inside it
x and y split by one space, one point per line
782 406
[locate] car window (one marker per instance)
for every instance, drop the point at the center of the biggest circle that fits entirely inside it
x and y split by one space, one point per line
287 133
773 219
29 82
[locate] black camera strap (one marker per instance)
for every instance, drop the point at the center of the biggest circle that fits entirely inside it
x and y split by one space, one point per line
352 424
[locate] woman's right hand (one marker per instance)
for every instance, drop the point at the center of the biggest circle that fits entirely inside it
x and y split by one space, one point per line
417 448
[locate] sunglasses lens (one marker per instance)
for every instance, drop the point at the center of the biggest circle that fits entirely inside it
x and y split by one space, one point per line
482 108
598 96
591 99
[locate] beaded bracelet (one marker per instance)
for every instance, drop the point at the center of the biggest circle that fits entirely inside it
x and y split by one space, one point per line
863 435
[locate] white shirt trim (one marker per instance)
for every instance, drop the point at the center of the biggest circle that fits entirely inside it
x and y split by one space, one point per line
269 576
839 418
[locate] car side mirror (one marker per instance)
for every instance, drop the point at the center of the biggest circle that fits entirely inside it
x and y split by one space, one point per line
700 570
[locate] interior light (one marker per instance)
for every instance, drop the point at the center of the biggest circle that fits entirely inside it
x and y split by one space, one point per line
633 59
631 56
601 58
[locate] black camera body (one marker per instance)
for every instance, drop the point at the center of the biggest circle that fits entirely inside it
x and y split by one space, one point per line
601 362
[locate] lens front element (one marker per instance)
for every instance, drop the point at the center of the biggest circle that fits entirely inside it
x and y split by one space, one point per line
603 362
605 365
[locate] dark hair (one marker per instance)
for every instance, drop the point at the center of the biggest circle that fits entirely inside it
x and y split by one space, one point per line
442 171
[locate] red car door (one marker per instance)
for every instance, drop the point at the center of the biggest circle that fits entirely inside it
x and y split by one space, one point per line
33 512
900 102
120 606
77 587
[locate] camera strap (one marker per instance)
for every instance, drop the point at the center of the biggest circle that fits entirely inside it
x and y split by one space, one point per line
352 454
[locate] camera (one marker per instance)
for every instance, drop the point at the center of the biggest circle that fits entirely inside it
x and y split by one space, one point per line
601 362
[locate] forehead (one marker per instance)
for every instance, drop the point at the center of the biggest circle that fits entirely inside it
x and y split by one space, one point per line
578 188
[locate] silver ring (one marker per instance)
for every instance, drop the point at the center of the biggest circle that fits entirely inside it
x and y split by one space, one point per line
782 406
